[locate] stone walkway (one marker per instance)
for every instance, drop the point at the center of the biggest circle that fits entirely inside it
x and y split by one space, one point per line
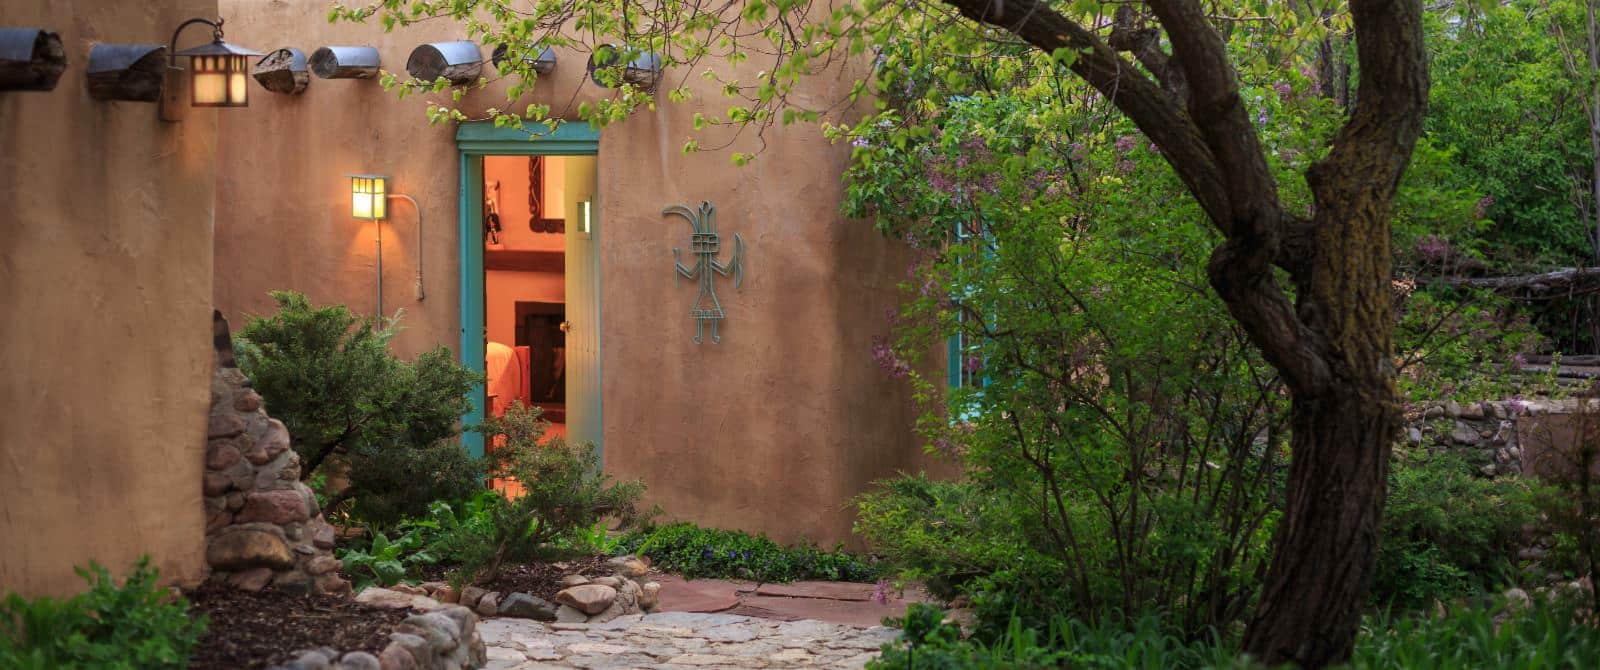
680 640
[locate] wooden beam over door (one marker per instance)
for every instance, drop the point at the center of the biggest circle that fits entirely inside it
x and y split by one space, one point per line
523 260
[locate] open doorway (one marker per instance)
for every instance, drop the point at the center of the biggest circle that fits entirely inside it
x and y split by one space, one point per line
536 219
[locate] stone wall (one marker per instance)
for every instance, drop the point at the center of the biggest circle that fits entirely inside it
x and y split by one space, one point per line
263 526
1506 437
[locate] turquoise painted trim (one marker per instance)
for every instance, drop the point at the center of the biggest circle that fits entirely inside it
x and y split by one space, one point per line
596 229
476 139
533 139
952 363
471 283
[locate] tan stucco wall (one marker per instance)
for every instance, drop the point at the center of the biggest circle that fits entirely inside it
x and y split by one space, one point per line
105 282
773 429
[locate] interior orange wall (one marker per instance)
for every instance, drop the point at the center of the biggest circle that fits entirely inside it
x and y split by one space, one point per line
512 173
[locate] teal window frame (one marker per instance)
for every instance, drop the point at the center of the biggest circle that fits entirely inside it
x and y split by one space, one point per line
956 345
474 141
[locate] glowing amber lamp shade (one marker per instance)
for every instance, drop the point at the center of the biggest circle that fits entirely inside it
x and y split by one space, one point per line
369 197
219 81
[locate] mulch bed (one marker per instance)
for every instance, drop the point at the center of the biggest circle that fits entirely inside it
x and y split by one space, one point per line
543 580
256 630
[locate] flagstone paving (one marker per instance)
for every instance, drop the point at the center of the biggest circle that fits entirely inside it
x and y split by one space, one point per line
670 640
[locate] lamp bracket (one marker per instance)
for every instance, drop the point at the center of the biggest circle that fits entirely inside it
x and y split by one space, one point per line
216 35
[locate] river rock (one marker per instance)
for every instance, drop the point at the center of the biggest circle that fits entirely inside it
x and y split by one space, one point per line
590 598
381 597
248 548
524 606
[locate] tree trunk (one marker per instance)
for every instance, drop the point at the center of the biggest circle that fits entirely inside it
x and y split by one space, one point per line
1343 426
1328 536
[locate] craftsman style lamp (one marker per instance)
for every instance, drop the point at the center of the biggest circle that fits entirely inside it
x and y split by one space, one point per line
369 197
218 72
369 201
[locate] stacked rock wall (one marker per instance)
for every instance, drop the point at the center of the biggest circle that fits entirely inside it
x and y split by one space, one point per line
444 638
1509 437
263 526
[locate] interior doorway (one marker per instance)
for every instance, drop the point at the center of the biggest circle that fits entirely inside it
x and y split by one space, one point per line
530 276
530 205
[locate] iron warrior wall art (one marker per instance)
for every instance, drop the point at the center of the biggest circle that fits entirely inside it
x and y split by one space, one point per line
704 244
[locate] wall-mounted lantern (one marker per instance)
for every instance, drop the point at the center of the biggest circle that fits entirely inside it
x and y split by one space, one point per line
345 62
369 197
132 72
369 201
218 73
30 59
459 62
642 68
283 71
544 63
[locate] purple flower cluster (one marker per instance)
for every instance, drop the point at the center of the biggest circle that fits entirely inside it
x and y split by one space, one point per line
887 361
1433 249
1484 203
880 592
1284 90
973 364
1127 143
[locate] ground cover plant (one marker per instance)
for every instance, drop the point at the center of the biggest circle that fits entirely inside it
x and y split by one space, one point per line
357 412
696 552
137 625
1548 634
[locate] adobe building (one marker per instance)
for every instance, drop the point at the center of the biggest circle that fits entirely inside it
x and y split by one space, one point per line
554 258
593 287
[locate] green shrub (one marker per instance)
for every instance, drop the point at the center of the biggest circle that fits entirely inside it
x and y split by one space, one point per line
1123 443
1448 532
136 626
697 552
937 532
559 492
328 374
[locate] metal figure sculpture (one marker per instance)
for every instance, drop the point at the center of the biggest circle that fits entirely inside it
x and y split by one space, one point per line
704 245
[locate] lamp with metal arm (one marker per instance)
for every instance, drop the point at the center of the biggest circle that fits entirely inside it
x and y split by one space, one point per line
218 73
369 197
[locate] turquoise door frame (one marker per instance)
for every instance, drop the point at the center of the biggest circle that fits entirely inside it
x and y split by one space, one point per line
475 140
